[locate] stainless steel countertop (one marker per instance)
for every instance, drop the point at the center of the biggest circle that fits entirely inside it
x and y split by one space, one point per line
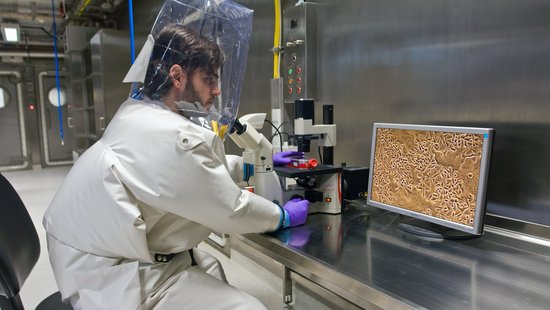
362 256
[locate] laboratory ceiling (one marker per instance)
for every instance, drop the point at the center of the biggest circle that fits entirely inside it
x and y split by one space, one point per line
34 18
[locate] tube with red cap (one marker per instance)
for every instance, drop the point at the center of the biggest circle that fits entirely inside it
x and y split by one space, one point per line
302 163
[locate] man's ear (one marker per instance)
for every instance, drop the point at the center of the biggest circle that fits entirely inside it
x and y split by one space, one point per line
178 76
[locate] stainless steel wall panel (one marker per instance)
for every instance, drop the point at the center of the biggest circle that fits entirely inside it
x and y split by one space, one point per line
78 66
468 63
13 128
110 60
54 152
256 93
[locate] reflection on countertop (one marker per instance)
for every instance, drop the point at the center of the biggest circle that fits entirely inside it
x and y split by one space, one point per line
363 252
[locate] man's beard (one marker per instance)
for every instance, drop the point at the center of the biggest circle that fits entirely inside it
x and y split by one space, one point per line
190 95
188 103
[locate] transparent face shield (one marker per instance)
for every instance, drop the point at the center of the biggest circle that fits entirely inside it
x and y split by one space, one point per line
212 99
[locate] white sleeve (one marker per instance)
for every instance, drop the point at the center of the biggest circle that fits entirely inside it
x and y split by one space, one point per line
192 180
235 167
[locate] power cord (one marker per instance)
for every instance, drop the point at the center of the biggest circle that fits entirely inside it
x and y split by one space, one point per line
278 132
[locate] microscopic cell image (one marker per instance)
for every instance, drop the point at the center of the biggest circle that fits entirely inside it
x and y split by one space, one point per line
431 172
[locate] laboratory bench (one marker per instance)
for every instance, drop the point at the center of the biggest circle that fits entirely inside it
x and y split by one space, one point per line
362 258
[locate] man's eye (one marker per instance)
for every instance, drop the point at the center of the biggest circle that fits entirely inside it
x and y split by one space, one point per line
213 80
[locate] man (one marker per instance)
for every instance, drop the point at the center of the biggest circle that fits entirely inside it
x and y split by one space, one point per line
122 228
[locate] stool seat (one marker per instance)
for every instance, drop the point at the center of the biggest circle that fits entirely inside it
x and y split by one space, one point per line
19 251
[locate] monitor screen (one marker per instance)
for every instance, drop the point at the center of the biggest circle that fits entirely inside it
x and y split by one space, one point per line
434 173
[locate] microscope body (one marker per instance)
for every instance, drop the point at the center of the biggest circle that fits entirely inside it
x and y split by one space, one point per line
258 157
325 194
320 185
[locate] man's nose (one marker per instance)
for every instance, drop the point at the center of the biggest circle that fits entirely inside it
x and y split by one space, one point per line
216 91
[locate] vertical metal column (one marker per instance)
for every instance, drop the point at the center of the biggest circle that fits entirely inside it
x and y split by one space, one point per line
328 118
287 286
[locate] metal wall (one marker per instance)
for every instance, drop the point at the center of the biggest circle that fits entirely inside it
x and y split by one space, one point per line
471 63
14 152
23 133
110 61
78 66
453 62
54 151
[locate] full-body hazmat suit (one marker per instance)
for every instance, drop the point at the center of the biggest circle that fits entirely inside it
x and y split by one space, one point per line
121 227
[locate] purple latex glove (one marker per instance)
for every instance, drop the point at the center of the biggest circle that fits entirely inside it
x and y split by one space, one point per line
281 158
295 212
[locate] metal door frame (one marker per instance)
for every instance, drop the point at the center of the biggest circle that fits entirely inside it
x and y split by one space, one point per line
22 122
47 160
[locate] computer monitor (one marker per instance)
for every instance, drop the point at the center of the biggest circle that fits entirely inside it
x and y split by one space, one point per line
435 174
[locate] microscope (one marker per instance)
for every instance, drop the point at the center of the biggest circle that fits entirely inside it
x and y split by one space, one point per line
321 185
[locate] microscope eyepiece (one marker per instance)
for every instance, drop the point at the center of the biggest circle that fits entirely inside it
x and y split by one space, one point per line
238 127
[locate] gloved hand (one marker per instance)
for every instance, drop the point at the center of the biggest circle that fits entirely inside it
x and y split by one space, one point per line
281 158
295 212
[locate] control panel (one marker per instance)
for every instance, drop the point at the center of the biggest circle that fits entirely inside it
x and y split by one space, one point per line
299 59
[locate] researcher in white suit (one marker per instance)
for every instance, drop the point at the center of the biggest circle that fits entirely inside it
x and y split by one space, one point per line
123 227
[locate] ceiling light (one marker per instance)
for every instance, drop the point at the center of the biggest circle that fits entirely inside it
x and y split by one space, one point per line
10 32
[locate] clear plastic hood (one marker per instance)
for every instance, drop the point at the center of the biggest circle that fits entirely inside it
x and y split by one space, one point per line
225 23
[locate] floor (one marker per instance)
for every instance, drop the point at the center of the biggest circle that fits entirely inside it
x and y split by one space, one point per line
37 188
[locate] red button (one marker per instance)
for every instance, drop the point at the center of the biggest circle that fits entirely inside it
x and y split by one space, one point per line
290 90
299 70
299 90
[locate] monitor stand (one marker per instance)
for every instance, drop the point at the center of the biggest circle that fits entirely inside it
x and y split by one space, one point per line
430 230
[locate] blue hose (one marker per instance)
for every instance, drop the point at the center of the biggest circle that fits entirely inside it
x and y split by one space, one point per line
134 89
58 84
131 15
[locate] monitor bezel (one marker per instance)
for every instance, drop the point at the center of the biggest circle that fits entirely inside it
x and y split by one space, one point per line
477 228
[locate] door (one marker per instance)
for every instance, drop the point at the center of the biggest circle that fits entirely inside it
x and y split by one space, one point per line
56 151
13 142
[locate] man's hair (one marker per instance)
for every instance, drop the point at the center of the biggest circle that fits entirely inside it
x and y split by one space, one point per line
177 44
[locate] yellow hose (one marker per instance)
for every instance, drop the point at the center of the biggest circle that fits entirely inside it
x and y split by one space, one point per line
277 39
83 7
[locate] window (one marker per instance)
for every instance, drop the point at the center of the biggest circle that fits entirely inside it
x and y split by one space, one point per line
52 96
4 98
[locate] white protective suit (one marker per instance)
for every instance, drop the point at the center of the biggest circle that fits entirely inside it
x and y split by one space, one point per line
154 183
